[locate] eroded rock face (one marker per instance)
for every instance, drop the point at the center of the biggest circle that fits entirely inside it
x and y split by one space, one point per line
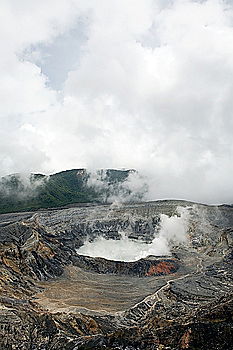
53 298
142 268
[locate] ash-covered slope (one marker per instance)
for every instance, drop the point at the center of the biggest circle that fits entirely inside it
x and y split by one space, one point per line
53 298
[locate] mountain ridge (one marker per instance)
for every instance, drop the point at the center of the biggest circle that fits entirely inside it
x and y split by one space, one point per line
38 191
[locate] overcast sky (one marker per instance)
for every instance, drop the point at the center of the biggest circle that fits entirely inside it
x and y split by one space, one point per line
123 84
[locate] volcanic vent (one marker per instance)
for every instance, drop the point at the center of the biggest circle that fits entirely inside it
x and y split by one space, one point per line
138 256
169 283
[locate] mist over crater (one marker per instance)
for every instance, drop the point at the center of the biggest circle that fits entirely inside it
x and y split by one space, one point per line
116 163
170 231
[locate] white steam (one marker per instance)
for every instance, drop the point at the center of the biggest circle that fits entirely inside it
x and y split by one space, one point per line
173 231
131 189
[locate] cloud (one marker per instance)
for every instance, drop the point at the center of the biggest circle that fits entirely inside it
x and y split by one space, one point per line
21 186
151 90
132 188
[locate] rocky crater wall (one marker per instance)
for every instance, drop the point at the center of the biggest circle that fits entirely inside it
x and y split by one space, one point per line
183 301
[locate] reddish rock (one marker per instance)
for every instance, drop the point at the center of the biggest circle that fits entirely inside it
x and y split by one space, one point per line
162 268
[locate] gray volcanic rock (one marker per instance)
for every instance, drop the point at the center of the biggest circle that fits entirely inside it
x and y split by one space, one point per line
142 268
53 298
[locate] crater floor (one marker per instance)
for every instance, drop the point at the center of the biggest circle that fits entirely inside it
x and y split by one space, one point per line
53 298
80 290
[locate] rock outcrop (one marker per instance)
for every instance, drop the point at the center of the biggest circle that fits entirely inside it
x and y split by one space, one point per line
52 298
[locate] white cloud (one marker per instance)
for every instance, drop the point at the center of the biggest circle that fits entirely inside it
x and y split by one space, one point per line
151 90
133 188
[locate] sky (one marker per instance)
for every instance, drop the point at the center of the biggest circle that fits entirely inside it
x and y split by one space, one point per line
120 84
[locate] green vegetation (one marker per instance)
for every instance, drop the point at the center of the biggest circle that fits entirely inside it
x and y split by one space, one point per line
36 191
